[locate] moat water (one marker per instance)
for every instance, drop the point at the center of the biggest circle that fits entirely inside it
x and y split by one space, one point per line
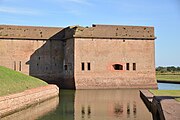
124 104
168 86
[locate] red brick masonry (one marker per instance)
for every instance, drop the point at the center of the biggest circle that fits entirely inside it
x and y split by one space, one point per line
15 102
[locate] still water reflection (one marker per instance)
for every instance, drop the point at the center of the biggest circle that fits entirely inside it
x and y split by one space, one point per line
168 86
99 105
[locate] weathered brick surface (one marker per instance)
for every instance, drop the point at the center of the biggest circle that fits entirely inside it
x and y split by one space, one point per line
102 54
101 45
15 102
109 31
36 111
42 59
28 32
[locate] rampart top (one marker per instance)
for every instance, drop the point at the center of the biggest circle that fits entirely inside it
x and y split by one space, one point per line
96 31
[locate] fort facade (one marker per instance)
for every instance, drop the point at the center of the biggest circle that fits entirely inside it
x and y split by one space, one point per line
97 57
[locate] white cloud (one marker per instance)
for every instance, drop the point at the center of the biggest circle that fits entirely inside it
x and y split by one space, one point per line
14 10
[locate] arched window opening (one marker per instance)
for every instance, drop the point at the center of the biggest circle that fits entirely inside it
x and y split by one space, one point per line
117 67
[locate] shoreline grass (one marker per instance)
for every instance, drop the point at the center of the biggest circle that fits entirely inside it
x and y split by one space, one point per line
171 93
13 82
168 77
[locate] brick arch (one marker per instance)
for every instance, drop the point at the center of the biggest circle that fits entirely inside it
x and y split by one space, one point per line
117 66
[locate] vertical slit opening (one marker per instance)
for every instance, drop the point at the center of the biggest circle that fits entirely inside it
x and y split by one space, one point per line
127 66
14 65
89 66
20 66
65 67
134 66
82 66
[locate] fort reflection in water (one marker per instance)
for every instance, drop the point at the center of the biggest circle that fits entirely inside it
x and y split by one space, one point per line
99 105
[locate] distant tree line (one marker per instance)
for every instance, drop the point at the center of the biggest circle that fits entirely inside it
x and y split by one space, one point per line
167 69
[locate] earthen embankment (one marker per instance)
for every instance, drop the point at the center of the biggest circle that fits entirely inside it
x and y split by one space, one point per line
16 102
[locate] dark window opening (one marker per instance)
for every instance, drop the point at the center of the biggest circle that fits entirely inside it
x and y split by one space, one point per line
39 58
14 65
117 67
134 66
19 65
37 64
123 40
82 66
127 66
65 67
89 66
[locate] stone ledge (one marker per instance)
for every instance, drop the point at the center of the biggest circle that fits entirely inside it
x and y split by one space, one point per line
16 102
147 98
161 107
35 111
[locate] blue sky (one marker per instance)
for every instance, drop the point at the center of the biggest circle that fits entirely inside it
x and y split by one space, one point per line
164 15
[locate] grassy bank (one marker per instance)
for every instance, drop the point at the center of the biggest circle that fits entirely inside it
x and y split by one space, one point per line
168 76
13 82
172 93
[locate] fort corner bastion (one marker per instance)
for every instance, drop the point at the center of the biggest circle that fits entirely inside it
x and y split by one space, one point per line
97 57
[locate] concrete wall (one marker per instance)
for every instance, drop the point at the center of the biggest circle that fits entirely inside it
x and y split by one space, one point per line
102 54
15 102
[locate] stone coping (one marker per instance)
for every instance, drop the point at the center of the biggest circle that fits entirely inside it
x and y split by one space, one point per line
161 107
27 32
96 31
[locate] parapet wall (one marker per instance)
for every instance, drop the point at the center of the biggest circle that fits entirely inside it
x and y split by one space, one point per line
96 31
27 32
15 102
115 31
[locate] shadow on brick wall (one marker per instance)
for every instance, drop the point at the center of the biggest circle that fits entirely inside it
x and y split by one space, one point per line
47 62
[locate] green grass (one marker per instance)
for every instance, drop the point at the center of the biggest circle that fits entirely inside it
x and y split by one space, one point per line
178 99
168 77
13 81
167 93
